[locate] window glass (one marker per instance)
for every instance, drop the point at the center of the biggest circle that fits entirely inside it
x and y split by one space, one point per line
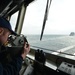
13 20
59 32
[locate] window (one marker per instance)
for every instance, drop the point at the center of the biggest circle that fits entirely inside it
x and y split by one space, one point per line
60 23
13 20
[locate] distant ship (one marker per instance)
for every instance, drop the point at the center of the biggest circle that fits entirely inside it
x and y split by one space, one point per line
72 34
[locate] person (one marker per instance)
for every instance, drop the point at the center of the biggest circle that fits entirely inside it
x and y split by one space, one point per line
13 67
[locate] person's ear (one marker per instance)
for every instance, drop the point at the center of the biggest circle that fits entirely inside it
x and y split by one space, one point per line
1 31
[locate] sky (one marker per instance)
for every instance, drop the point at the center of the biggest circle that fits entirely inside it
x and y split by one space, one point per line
61 17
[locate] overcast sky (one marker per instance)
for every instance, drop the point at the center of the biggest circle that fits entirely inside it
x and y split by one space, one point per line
61 17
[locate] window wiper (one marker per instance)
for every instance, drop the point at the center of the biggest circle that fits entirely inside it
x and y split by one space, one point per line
45 16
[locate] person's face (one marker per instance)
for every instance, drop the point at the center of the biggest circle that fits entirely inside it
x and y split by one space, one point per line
4 33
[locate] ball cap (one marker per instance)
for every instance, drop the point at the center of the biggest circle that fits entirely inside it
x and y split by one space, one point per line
6 24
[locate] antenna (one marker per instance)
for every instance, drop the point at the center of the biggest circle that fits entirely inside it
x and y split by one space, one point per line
45 16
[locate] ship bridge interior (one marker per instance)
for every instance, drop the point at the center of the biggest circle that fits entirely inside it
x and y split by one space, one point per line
7 9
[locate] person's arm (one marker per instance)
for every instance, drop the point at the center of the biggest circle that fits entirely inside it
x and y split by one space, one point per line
14 67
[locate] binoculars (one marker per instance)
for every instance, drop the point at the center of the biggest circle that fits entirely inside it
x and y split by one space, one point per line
14 45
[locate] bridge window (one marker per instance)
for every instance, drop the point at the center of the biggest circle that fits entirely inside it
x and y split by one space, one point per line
60 23
13 20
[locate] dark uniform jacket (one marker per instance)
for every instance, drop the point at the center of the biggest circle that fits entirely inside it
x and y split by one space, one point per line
11 68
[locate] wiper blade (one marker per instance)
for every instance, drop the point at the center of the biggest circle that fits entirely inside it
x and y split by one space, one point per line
45 17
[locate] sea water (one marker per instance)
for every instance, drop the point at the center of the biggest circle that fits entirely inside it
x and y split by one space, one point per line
52 42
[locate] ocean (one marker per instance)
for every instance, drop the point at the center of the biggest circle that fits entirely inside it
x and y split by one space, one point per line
50 43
